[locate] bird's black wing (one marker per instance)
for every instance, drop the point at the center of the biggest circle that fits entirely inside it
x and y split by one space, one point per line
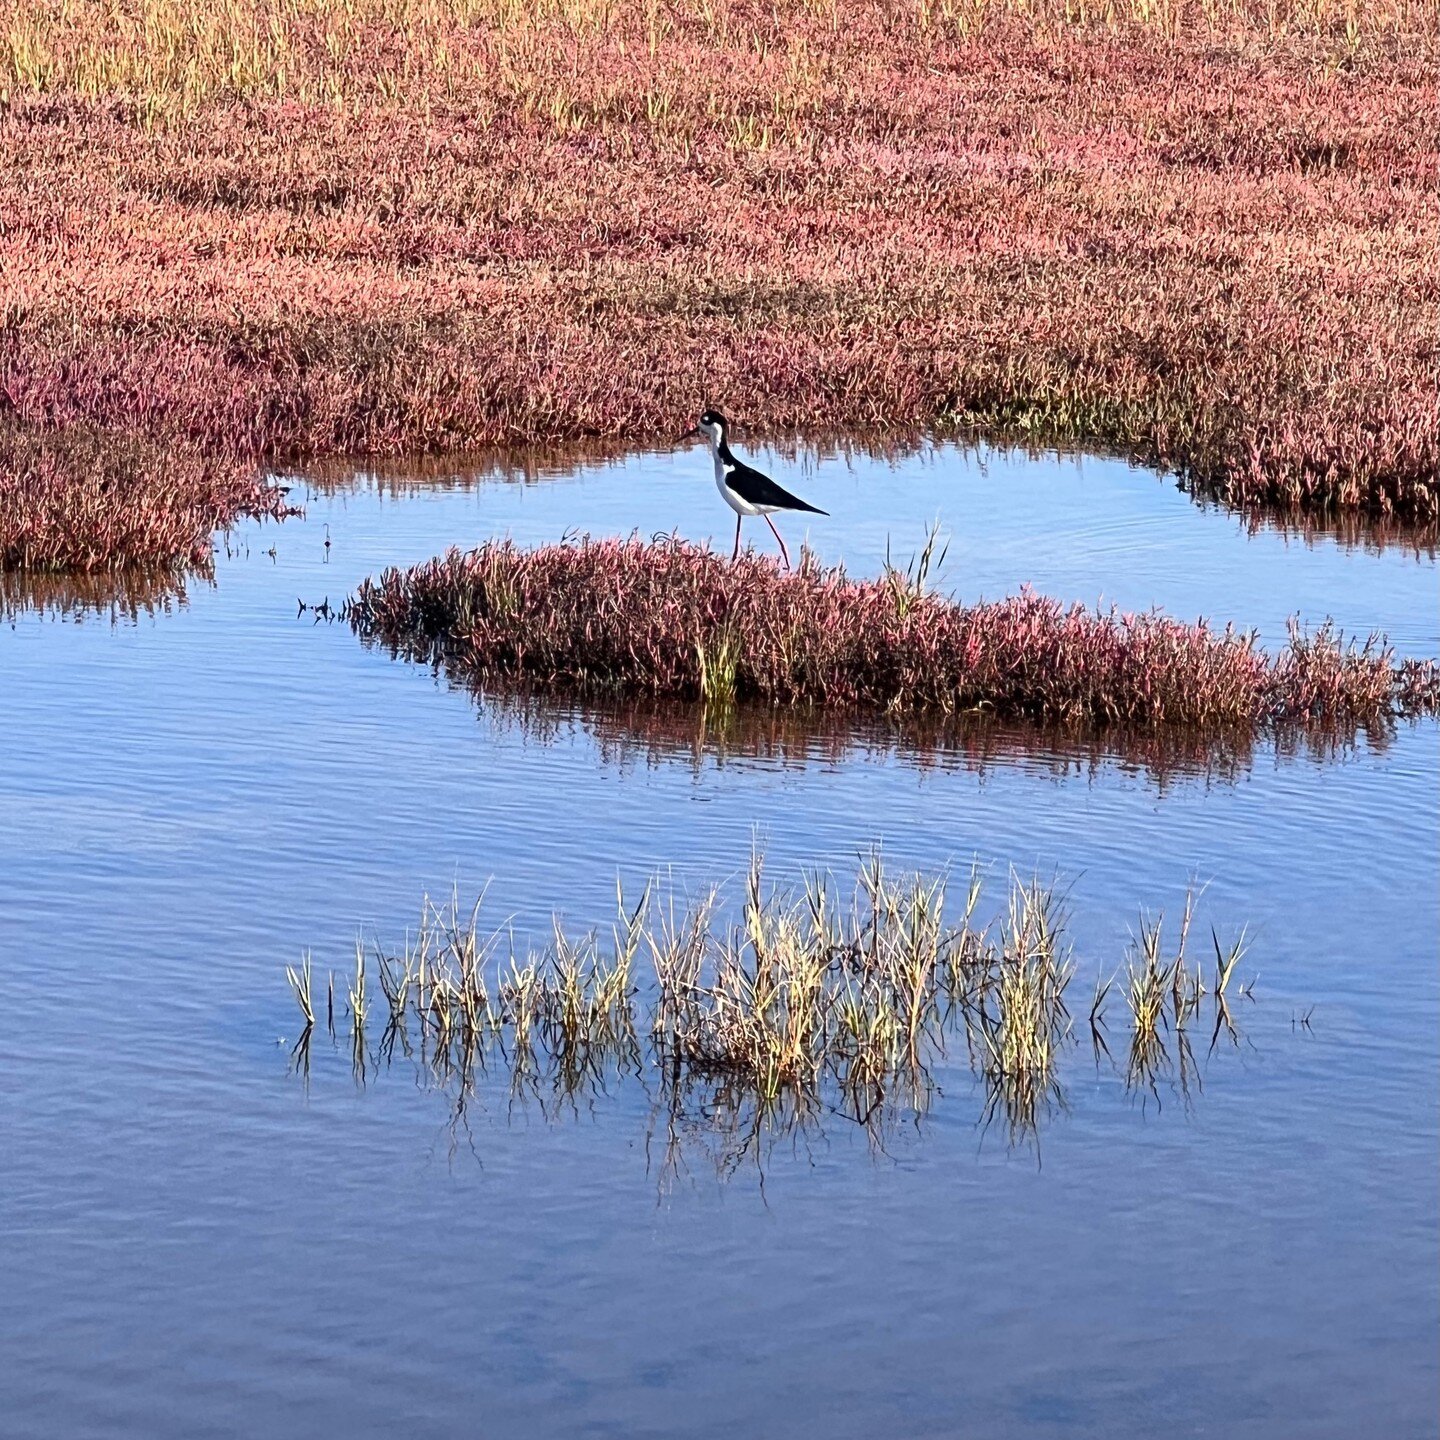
760 489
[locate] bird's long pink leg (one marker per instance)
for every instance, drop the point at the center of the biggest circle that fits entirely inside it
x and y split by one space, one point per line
781 539
736 555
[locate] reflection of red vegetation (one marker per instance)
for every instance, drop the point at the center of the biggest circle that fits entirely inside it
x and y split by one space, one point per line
1210 246
670 619
630 730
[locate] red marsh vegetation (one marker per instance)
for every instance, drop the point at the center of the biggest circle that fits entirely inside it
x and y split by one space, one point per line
78 499
1202 234
671 619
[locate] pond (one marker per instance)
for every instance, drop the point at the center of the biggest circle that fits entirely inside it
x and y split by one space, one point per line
200 1240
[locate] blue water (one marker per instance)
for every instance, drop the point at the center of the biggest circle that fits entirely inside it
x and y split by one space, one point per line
198 1242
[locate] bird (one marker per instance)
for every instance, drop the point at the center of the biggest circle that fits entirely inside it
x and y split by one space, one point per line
745 490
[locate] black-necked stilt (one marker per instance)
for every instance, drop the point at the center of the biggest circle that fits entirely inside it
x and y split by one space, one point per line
746 490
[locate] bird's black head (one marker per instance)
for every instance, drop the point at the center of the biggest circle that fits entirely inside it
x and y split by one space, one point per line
713 425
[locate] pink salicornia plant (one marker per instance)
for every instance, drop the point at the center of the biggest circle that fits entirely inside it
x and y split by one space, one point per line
668 618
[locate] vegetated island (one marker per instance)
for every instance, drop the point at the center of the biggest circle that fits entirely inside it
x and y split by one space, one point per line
671 619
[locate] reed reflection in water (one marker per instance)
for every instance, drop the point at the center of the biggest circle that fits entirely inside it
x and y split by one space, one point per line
117 596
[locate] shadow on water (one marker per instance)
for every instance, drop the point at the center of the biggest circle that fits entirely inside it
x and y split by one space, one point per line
627 732
1348 532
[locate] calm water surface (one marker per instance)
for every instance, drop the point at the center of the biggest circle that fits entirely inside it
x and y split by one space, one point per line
194 1242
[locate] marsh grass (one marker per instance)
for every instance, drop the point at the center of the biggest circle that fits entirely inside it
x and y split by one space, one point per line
79 499
800 1003
1022 998
273 228
668 619
300 985
1165 994
175 56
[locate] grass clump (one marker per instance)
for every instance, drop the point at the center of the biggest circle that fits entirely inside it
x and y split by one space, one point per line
1165 994
630 617
820 998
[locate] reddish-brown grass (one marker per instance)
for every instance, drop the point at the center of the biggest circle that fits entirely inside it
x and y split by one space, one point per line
84 500
275 227
671 619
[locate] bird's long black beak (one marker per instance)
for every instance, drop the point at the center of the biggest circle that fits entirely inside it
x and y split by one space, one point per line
691 433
